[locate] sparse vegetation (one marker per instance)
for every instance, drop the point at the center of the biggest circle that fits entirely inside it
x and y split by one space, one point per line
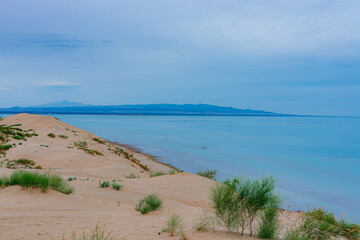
24 161
63 136
174 225
19 163
80 144
42 145
211 174
131 175
99 140
36 180
205 221
116 186
320 224
71 179
51 135
104 184
156 174
92 152
149 203
98 233
8 132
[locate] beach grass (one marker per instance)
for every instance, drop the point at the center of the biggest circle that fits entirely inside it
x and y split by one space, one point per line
149 203
117 186
208 173
36 180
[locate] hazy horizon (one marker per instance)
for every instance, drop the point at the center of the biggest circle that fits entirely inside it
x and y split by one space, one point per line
279 56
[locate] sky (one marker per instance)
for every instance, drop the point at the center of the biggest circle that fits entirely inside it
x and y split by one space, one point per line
296 57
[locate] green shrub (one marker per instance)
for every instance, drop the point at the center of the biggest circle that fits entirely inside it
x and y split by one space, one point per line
63 136
149 203
319 224
117 186
92 152
36 180
239 201
211 174
4 148
99 140
51 135
104 184
24 161
156 174
269 226
174 225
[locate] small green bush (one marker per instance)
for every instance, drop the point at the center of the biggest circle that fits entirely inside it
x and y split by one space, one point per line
117 186
149 203
92 152
99 140
104 184
156 174
238 202
211 174
51 135
63 136
36 180
174 225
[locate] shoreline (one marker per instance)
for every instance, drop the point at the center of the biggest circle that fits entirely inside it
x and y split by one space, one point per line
138 151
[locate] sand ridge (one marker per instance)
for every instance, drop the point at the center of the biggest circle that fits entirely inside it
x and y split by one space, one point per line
31 214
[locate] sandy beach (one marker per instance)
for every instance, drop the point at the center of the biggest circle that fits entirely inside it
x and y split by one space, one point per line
32 214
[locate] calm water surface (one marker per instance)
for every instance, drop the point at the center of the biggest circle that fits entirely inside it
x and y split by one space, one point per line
315 160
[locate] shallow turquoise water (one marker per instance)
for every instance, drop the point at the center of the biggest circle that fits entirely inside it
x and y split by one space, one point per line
315 160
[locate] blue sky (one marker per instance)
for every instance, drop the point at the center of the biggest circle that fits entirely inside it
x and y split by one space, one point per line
283 56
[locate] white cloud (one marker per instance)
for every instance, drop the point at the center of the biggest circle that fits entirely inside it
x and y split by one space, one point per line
317 28
56 84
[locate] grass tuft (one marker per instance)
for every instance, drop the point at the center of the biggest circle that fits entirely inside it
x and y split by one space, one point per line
211 174
51 135
174 225
104 184
149 203
117 186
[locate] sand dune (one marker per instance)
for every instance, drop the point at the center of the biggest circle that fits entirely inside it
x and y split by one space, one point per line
31 214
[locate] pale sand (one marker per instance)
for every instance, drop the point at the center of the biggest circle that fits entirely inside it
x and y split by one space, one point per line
30 214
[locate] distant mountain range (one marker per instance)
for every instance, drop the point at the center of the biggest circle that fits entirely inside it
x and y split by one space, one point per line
66 107
63 103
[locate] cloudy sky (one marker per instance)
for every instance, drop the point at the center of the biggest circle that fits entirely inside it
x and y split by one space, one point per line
299 57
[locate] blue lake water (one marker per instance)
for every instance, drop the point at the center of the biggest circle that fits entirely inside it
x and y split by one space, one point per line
315 160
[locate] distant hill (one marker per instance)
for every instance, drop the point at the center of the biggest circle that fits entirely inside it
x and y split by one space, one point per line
66 107
63 103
